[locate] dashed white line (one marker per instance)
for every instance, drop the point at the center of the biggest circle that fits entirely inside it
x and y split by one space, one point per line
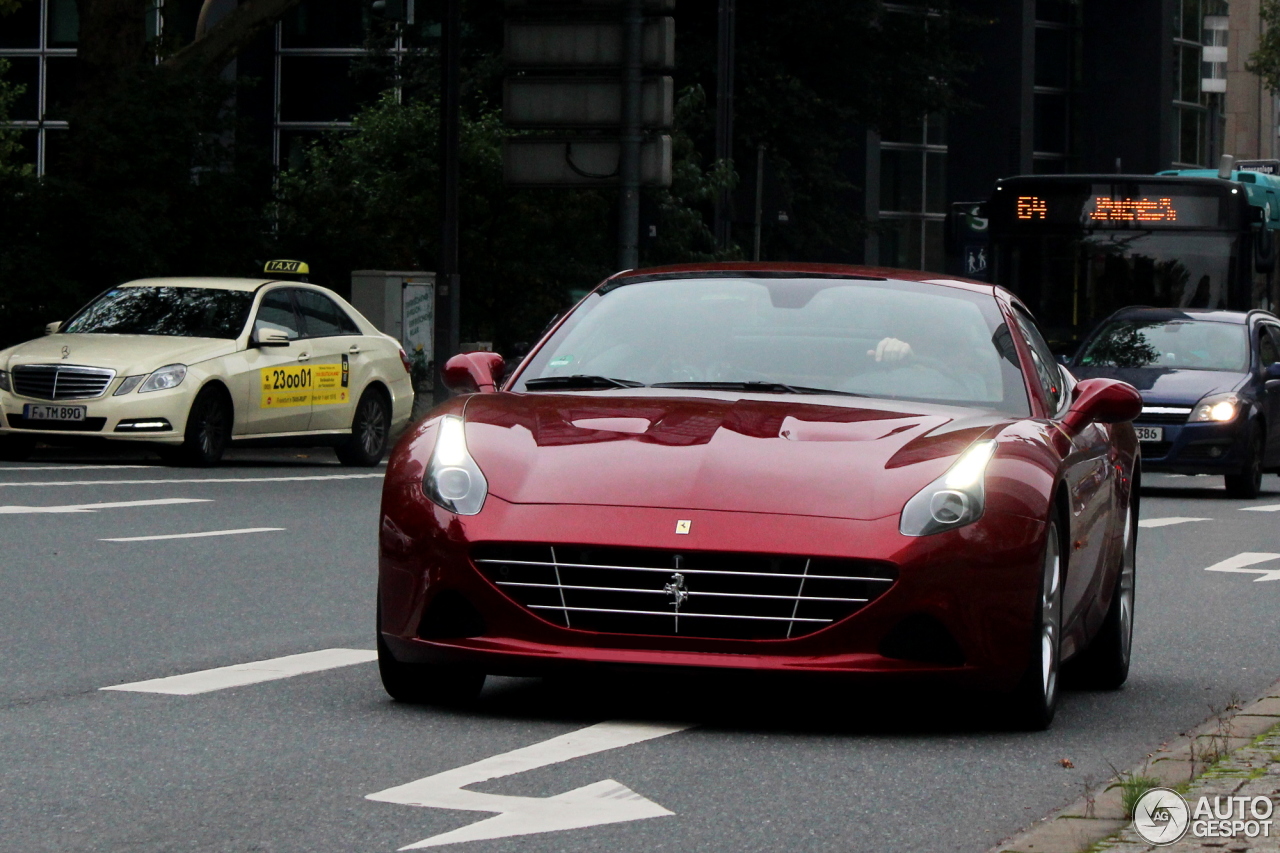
194 535
1165 522
193 480
35 510
1263 508
223 677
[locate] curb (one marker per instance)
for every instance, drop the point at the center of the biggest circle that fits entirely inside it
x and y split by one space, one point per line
1093 818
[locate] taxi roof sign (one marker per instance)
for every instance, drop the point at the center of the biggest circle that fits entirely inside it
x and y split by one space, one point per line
287 267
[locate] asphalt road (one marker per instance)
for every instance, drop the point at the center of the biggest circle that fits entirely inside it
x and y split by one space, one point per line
286 764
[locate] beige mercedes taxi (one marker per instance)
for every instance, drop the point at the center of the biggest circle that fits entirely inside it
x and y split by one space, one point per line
193 364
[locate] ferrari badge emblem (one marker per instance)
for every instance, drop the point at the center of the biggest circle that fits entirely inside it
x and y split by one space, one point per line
683 525
66 352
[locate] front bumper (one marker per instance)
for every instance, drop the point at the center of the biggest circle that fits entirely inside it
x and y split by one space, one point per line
1198 448
979 583
106 417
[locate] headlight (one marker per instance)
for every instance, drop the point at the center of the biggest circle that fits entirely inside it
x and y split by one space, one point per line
4 381
453 479
1217 408
129 383
953 500
169 376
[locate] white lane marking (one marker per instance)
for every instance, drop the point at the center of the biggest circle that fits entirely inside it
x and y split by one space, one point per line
1238 563
1165 522
194 535
26 510
206 681
602 802
1263 508
72 467
195 480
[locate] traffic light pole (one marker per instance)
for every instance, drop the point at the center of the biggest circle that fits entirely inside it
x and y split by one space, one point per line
448 295
632 136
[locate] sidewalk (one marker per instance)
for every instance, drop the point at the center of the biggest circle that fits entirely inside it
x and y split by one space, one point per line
1230 755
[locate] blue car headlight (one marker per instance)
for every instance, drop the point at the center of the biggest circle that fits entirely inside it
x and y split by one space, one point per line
453 479
955 499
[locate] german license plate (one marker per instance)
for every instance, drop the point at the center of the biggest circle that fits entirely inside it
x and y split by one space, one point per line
1149 433
34 412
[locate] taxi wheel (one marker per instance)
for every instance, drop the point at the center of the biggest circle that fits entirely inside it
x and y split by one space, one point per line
370 432
208 431
16 448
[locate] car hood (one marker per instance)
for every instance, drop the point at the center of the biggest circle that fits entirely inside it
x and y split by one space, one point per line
840 457
1168 386
126 354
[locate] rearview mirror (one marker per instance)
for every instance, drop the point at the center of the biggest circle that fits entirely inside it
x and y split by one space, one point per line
471 372
270 338
52 328
1104 401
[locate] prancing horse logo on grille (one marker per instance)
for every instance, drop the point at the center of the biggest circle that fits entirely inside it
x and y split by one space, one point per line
677 590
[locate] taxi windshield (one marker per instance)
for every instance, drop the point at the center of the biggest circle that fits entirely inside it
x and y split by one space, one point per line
1182 344
187 312
872 338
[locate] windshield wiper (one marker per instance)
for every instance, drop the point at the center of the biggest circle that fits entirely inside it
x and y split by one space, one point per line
579 381
758 387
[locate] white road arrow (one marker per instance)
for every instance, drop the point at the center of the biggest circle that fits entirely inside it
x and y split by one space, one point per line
1238 563
593 805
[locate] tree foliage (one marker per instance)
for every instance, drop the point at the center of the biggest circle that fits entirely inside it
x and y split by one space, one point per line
1265 61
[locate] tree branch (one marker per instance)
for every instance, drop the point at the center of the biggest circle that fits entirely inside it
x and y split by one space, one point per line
229 37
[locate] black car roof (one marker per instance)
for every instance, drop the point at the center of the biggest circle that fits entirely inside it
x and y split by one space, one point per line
1205 314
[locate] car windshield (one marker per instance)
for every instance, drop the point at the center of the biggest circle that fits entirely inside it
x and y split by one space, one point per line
892 339
1183 344
188 312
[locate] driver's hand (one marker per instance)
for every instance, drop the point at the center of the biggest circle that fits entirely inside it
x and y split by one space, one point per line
891 350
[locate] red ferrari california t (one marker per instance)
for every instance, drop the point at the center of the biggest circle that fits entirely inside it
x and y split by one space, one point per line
822 469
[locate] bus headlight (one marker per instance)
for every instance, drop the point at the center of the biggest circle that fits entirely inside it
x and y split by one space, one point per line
953 500
453 479
1217 408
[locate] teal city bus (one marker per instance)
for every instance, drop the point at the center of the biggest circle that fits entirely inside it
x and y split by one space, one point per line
1077 247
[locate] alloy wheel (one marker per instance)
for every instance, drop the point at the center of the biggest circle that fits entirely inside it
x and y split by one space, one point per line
372 426
1127 576
1050 616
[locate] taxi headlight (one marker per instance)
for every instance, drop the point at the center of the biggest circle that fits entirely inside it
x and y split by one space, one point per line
1217 408
4 381
169 376
453 479
953 500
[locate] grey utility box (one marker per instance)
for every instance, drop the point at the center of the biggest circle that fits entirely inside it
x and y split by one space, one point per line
403 305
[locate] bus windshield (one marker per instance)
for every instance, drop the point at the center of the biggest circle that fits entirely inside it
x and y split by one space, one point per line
1169 344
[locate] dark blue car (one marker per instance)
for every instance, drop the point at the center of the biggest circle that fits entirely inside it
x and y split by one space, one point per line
1204 378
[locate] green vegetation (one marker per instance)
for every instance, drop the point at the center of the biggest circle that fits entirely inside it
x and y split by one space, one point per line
1132 786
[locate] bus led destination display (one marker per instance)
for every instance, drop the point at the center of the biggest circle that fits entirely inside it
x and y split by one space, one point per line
1093 206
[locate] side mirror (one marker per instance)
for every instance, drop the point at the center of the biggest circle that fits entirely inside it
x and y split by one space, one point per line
472 372
270 338
52 328
1105 401
1272 371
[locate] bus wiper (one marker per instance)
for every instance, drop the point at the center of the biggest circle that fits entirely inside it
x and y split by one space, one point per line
579 381
758 387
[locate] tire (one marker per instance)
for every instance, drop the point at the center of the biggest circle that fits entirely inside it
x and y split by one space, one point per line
1248 483
208 431
370 431
1105 664
1036 697
16 448
426 684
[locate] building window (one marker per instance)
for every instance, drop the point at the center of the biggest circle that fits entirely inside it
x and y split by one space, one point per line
1196 112
39 43
913 162
1056 48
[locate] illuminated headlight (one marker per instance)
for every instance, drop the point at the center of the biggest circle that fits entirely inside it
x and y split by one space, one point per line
4 381
1217 408
169 376
953 500
453 479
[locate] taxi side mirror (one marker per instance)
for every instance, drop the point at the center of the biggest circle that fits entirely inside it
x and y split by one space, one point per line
472 372
1104 401
52 328
270 338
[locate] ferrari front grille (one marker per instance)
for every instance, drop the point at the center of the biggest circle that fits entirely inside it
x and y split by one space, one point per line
60 381
721 595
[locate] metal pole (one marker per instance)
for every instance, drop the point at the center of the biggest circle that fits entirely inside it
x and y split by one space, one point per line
629 162
448 302
724 112
755 255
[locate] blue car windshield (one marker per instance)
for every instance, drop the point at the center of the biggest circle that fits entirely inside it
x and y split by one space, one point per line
1184 344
